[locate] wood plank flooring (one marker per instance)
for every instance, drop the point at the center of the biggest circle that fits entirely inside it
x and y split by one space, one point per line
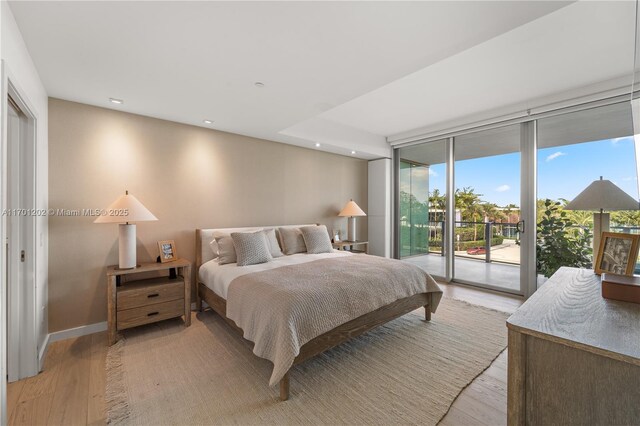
70 390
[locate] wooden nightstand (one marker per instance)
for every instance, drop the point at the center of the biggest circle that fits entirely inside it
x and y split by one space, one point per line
342 245
131 302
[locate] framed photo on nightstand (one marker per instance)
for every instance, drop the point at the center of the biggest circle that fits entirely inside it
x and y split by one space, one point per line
167 251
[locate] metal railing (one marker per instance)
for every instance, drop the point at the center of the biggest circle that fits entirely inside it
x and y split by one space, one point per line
433 231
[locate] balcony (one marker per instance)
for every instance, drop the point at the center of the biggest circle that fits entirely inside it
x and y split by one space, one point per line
486 253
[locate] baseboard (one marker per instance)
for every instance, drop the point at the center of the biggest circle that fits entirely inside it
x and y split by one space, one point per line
43 352
77 331
67 334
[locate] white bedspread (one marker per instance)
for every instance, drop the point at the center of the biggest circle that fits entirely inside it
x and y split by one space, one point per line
218 277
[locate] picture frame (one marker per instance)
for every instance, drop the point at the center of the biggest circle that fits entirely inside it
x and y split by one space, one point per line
617 253
167 249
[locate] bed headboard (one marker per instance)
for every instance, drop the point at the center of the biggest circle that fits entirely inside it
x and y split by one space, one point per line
204 237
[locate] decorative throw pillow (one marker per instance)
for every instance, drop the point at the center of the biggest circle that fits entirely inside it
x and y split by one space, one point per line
214 248
316 239
292 240
251 247
226 250
274 246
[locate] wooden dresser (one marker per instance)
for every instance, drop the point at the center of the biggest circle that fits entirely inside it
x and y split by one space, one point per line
132 302
574 357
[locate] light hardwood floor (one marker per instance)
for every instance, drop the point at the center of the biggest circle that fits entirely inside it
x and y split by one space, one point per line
70 390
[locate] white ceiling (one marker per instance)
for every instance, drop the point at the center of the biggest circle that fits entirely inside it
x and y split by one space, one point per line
345 74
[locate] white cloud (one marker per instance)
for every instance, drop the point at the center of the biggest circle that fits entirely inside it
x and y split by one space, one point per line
616 141
555 155
432 172
503 188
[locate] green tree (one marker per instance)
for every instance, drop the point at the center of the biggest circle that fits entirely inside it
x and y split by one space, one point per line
492 212
470 207
510 209
438 202
560 242
626 218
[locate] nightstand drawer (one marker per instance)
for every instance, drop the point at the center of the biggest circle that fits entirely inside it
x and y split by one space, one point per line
147 292
151 313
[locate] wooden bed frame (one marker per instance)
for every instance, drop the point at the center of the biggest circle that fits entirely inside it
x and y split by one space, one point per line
328 340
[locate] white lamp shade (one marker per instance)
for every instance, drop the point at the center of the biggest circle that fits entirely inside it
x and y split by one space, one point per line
136 212
602 195
351 209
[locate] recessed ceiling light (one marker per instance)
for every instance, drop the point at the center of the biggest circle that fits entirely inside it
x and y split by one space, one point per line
353 152
317 145
258 84
207 121
116 101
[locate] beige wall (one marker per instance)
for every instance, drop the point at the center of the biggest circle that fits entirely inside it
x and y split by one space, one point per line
189 177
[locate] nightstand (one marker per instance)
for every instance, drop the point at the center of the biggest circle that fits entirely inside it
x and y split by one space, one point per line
342 245
132 302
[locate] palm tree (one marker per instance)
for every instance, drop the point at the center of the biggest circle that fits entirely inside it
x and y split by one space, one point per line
470 205
509 209
437 201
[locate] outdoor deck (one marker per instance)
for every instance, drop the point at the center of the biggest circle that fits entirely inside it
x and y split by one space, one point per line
495 274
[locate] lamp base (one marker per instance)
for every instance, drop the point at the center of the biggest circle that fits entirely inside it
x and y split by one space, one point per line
126 246
600 225
351 232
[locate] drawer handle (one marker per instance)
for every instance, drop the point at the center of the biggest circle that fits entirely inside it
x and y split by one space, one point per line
150 314
153 295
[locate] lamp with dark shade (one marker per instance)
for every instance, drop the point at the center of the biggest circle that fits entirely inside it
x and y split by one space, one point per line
351 210
600 196
135 212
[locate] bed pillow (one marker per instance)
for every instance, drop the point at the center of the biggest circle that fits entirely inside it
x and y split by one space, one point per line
251 247
316 239
226 250
214 248
292 241
274 246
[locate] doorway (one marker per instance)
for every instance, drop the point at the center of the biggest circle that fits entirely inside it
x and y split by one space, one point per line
22 350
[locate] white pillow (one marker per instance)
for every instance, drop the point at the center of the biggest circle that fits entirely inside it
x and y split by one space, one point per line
251 247
274 246
226 250
292 241
316 239
214 248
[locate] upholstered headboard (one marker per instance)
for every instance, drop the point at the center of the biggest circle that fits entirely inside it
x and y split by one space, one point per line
204 237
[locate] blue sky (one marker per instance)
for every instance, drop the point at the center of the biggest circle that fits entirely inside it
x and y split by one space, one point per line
563 172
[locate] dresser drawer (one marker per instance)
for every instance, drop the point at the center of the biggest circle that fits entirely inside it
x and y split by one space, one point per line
150 313
148 292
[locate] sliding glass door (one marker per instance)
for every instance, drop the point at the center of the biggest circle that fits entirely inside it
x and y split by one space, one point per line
487 201
422 206
477 207
574 150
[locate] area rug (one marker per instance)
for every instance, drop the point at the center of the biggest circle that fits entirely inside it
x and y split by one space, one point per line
408 371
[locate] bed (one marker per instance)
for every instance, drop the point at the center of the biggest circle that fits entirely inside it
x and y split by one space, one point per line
297 306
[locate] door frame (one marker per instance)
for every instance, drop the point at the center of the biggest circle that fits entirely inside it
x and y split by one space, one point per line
27 340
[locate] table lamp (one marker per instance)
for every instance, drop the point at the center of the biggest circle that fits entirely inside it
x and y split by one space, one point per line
599 196
351 210
135 212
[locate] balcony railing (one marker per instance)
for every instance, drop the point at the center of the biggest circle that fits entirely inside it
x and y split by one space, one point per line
469 236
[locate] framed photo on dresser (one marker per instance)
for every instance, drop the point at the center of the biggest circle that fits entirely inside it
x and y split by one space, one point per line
618 253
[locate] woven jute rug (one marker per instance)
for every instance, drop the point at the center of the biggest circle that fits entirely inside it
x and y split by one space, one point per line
408 371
